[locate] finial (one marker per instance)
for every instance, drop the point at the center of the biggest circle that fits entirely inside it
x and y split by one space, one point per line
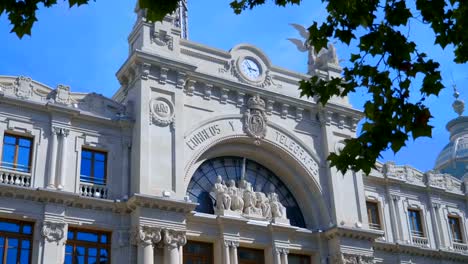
458 105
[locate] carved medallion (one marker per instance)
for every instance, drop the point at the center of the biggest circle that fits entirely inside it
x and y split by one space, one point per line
162 111
255 120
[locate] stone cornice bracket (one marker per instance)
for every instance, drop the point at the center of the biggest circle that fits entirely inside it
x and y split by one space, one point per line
269 107
240 99
163 75
181 79
208 90
174 239
224 95
190 87
53 232
145 235
145 71
284 110
299 114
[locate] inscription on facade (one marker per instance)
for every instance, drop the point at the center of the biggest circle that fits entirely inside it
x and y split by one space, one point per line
203 135
299 152
162 111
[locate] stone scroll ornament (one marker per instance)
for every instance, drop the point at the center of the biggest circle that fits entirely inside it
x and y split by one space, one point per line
53 232
255 120
146 235
242 200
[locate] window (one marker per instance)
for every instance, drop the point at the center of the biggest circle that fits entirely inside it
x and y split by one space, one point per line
15 241
415 222
455 229
16 153
373 215
93 166
298 259
198 252
87 247
250 256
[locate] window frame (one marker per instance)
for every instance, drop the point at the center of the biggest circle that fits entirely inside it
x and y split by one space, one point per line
378 225
87 244
303 257
416 233
460 228
17 235
17 146
186 254
92 176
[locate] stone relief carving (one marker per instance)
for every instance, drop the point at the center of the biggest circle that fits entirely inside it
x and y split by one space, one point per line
161 111
356 259
174 239
146 235
242 200
62 95
53 232
161 38
255 120
23 87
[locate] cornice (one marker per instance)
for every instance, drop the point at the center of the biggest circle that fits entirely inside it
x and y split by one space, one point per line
355 233
420 251
155 202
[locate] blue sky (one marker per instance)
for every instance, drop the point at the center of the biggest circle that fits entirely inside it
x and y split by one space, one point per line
84 47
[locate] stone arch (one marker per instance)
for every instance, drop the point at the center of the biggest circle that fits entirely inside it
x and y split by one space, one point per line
298 178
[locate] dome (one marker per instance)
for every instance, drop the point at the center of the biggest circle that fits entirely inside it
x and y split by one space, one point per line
453 159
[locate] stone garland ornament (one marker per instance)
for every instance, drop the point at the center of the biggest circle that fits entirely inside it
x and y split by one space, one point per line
161 111
242 200
53 232
255 119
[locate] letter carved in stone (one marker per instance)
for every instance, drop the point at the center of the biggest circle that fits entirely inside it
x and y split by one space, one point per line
255 120
162 111
53 232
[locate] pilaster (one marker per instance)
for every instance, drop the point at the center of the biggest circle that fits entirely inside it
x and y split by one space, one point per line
54 237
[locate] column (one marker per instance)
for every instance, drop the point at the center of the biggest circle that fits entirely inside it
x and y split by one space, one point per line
281 255
277 256
145 238
53 242
226 252
284 256
234 246
63 158
52 157
173 240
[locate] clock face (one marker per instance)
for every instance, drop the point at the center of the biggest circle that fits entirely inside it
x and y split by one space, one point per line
250 69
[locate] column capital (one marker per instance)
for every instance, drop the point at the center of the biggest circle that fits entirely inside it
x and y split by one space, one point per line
231 243
173 238
53 231
146 235
60 131
282 250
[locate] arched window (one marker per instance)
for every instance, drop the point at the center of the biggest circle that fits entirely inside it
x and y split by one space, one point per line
232 168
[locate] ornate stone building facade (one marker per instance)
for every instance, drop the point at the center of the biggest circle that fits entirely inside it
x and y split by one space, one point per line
211 156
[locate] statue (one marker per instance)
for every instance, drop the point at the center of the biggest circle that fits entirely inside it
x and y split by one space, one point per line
277 209
263 204
249 200
237 203
223 200
315 60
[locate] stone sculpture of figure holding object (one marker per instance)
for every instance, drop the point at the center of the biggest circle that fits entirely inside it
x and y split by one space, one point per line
237 203
223 200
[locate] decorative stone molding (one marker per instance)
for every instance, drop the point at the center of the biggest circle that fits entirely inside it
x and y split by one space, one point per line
163 75
231 243
269 107
224 95
62 95
161 111
284 111
255 120
146 235
53 232
23 87
240 99
145 70
190 87
181 79
207 93
174 239
355 259
299 114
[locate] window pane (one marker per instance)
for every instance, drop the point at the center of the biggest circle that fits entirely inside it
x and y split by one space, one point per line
86 154
99 173
85 236
85 168
9 227
99 156
12 251
23 159
70 235
104 239
2 244
25 142
24 256
79 258
11 140
8 156
103 254
27 229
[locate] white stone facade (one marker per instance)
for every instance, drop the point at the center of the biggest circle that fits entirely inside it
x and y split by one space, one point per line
181 104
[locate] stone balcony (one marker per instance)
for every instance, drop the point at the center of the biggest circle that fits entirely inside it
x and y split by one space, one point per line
420 241
93 190
460 247
16 178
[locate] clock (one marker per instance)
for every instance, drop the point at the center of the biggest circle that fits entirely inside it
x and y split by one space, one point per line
250 69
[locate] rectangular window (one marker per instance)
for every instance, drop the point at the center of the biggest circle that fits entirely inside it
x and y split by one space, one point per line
298 259
15 241
415 222
250 256
198 252
87 247
455 229
373 215
93 166
16 154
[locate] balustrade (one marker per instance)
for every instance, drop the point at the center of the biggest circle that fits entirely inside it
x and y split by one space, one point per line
460 247
15 178
420 241
93 190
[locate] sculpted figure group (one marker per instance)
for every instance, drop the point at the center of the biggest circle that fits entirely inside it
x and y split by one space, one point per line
243 200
